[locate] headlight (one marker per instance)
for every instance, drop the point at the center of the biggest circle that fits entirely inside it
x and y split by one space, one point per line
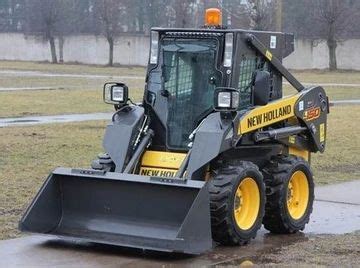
115 93
226 99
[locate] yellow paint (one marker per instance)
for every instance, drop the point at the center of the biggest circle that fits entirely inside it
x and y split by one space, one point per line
246 263
164 160
157 172
292 139
322 132
268 55
269 114
246 203
297 195
302 153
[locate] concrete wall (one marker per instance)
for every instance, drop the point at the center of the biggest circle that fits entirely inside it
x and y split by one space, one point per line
134 50
314 55
128 50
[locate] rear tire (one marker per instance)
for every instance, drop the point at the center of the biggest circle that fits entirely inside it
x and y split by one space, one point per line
237 203
289 194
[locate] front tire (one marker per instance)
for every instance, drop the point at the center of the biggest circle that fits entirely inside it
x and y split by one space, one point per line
237 203
289 194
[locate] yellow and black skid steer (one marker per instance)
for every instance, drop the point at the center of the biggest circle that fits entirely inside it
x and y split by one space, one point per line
211 153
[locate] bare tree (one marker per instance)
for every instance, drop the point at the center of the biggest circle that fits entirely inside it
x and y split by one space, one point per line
11 15
235 13
110 14
261 14
44 15
336 19
333 21
184 13
48 18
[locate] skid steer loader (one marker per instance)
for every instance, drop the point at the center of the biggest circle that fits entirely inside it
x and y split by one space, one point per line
211 153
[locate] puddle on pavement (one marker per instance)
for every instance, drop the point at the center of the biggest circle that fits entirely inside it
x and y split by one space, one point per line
23 121
253 253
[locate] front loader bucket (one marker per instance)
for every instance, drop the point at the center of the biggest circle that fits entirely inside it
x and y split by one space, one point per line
123 209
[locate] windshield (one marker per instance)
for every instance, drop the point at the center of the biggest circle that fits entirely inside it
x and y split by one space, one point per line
190 77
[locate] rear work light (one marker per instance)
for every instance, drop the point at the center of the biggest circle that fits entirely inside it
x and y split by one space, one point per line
154 50
229 37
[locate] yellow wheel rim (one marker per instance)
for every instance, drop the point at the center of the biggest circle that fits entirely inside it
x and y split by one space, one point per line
297 195
246 203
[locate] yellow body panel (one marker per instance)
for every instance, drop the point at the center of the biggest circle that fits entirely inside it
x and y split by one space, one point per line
161 164
302 153
269 114
166 160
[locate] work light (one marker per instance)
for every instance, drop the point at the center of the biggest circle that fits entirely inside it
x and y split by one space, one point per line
226 99
154 50
115 93
229 38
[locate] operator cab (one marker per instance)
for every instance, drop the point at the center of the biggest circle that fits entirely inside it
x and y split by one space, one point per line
190 68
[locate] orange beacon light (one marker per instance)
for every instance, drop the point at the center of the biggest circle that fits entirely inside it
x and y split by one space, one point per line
213 17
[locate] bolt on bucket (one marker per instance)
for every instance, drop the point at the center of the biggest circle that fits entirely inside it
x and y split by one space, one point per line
122 209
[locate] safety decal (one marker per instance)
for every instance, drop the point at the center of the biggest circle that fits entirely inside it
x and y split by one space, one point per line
322 132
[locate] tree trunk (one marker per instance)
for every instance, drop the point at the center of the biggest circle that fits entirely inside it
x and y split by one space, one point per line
332 54
332 44
111 51
61 49
53 49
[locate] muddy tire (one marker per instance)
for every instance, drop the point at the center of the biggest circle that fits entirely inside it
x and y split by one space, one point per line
237 203
289 194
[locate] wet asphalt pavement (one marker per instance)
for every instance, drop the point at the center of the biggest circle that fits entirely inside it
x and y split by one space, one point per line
50 119
336 211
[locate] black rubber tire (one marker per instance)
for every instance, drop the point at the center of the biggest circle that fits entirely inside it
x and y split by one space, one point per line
222 189
276 176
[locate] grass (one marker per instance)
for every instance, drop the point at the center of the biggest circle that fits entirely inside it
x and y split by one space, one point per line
83 95
79 95
324 76
63 82
334 93
71 68
341 160
49 102
28 154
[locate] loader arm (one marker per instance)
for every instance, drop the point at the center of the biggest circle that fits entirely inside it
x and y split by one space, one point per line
260 47
309 107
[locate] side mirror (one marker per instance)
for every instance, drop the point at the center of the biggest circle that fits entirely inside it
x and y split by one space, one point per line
226 99
261 88
116 93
